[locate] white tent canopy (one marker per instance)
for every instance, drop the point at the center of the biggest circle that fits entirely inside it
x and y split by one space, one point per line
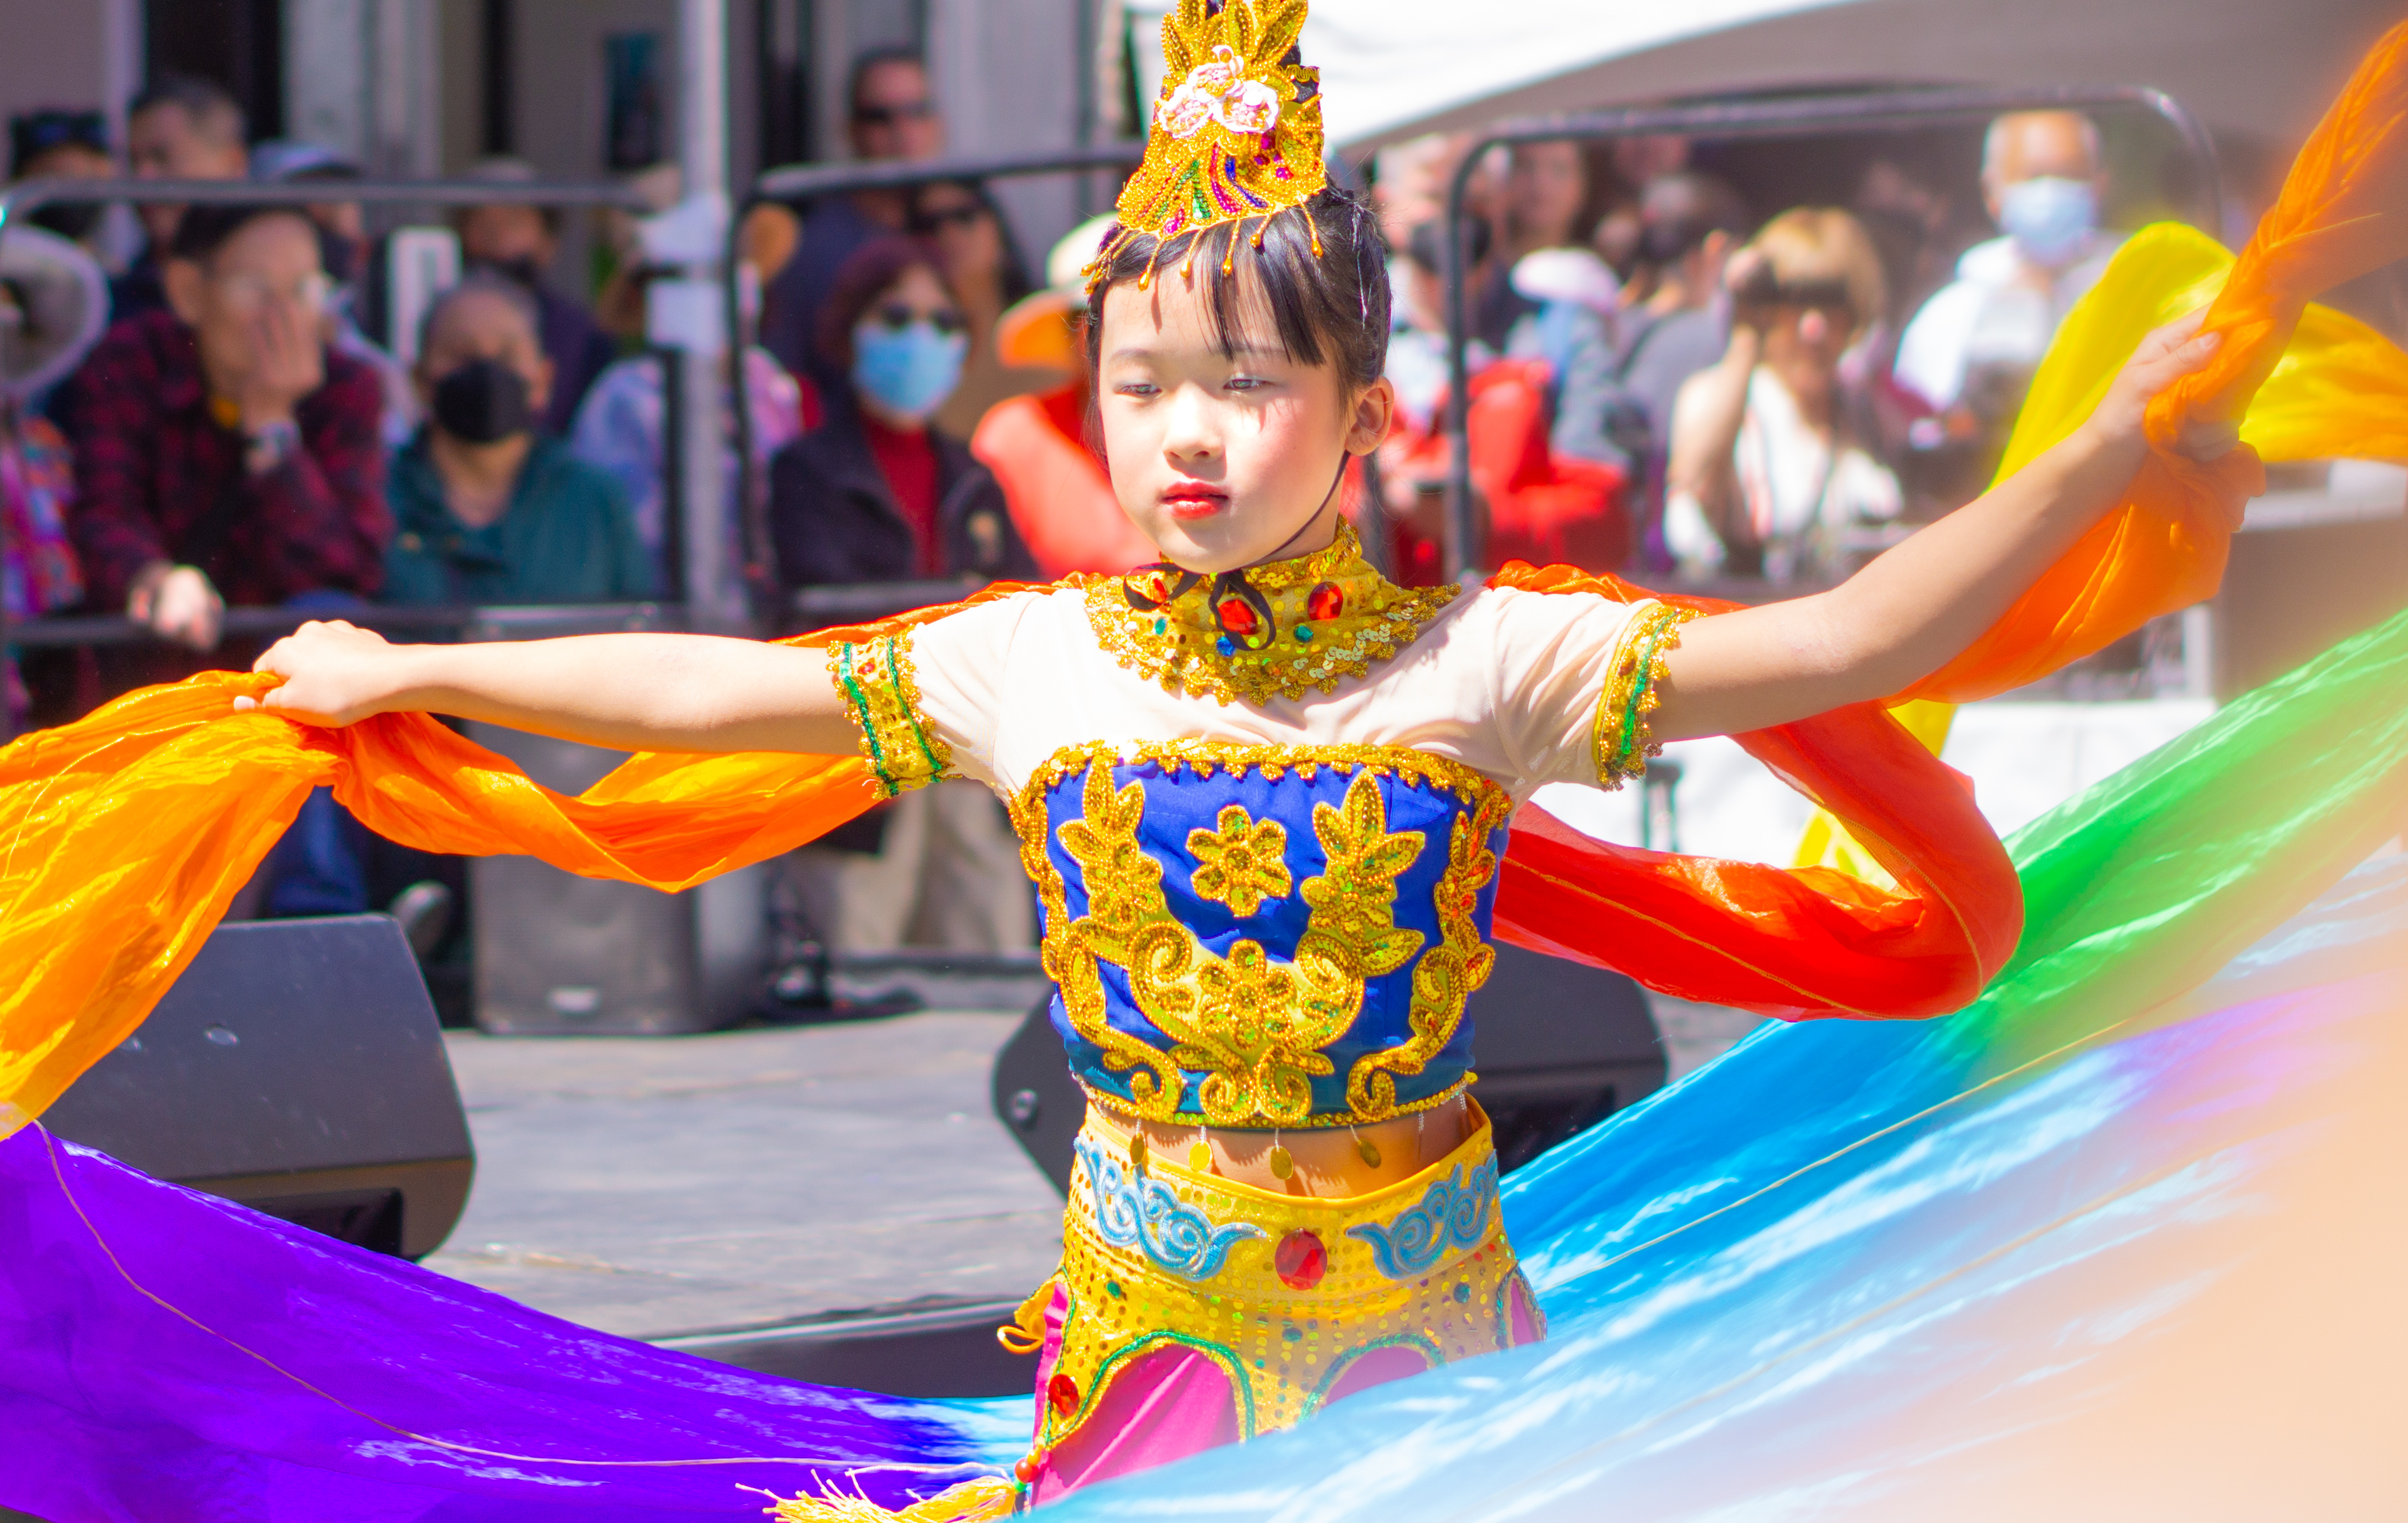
2256 68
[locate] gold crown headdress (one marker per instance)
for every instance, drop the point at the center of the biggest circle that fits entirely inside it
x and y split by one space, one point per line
1237 128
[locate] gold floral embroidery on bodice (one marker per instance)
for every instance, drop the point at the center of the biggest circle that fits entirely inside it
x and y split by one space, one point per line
1240 864
1279 629
1338 949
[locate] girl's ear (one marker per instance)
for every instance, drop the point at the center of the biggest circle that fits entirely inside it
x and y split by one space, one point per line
1375 413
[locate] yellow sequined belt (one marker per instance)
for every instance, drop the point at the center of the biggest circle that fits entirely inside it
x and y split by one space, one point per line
1283 1292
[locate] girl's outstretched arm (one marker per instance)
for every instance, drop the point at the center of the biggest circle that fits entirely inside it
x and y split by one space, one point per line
1913 609
646 692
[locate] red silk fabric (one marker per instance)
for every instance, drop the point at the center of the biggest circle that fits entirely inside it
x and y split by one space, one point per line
1789 942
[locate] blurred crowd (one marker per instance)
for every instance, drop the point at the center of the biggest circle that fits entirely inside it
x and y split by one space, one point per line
1664 379
1669 381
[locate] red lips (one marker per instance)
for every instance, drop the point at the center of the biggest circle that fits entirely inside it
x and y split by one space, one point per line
1190 499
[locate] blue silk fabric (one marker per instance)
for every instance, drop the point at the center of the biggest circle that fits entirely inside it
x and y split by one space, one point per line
1182 798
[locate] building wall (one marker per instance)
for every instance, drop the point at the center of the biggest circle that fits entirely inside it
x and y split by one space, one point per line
329 90
1007 74
54 54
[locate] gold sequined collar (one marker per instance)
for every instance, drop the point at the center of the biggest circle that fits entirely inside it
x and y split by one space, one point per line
1275 629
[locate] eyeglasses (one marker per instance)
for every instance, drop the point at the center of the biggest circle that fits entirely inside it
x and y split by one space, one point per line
888 116
895 316
942 218
248 294
1829 297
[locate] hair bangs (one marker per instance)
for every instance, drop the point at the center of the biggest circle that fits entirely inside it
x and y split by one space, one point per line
1312 282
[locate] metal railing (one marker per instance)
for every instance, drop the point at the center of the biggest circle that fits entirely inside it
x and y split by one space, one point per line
467 622
811 182
1878 110
19 200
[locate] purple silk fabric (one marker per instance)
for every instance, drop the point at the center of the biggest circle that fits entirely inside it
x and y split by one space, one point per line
168 1356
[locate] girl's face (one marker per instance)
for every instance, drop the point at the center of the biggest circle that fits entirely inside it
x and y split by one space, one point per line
1223 459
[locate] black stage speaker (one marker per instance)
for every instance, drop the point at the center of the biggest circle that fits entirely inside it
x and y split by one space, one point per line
295 1067
920 1350
559 955
1561 1047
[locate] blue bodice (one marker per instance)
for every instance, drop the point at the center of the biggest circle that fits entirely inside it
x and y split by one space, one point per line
1263 936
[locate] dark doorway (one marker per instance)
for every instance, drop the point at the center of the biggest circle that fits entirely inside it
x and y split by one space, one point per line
780 50
501 67
237 43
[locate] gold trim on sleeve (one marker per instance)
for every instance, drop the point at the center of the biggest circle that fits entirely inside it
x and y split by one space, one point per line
881 692
1619 740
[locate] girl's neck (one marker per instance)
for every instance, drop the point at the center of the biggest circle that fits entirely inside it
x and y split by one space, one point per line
1815 404
1319 534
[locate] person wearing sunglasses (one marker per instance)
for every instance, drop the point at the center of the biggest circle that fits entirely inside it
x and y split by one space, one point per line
878 492
962 220
1767 478
227 454
892 117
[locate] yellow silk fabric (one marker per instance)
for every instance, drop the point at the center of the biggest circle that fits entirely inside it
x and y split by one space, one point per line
2307 382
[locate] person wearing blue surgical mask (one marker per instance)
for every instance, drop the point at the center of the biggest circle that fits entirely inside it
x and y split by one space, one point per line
1971 351
879 493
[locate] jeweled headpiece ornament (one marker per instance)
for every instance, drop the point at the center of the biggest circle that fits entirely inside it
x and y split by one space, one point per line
1237 128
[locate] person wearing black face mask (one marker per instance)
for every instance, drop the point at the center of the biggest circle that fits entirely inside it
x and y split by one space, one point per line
519 242
487 507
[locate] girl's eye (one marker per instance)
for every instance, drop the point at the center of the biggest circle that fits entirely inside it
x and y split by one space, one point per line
1135 388
1243 384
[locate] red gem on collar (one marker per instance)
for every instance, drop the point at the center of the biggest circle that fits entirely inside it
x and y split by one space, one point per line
1238 617
1324 603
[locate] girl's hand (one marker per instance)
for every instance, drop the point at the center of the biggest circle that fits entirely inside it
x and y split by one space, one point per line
2163 358
335 673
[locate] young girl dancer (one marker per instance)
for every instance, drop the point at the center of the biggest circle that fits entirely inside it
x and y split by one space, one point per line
1262 790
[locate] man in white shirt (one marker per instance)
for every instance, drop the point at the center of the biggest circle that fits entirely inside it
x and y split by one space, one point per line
1975 343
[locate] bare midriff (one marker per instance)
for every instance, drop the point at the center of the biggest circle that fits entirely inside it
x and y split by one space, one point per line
1327 1161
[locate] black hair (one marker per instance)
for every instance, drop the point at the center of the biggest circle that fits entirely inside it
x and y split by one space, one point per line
211 104
505 173
1327 305
202 231
1426 244
875 57
32 133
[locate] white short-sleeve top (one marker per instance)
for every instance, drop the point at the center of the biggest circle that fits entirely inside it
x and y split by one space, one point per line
1264 814
1504 682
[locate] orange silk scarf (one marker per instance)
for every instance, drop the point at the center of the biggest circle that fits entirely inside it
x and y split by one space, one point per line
125 837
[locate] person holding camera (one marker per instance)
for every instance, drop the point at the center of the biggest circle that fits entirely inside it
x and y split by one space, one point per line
1765 478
